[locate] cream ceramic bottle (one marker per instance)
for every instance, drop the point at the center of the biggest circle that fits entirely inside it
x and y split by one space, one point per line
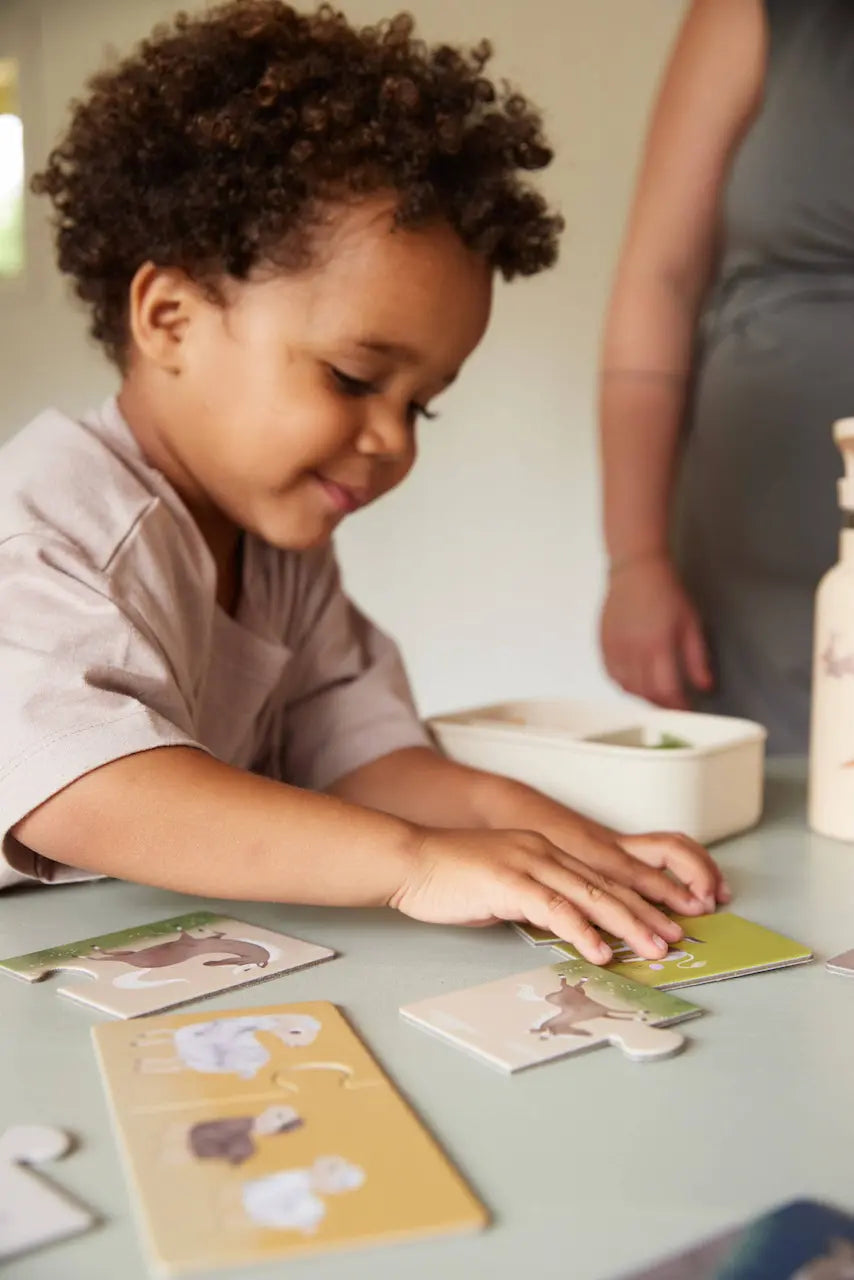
831 775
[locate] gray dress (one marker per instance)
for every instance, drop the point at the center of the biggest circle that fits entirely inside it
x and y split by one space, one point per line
756 517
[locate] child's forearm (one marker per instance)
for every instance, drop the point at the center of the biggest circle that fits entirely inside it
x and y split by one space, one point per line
420 785
423 786
178 819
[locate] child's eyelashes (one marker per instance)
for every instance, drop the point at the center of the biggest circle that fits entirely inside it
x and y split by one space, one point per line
360 388
352 386
419 411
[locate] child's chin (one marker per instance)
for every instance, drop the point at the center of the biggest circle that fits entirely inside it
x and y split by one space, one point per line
298 539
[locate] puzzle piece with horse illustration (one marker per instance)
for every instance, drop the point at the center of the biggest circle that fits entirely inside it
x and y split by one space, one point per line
167 963
555 1011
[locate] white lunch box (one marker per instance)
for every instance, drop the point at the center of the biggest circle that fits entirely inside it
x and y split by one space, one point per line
619 765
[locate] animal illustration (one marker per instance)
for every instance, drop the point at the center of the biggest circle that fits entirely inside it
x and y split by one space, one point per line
187 945
836 1264
290 1200
837 665
574 1007
226 1046
233 1138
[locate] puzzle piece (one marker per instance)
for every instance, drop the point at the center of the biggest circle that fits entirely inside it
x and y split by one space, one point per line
713 948
536 937
32 1211
640 1041
843 964
579 1007
167 963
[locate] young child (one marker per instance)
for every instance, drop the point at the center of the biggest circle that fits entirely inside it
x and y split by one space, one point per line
286 229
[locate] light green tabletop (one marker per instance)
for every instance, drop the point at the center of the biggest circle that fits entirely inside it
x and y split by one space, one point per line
591 1166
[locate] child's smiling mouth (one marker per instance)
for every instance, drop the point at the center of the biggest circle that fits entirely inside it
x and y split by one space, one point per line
343 498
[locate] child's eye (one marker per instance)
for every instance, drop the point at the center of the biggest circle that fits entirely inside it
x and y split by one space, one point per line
359 387
351 386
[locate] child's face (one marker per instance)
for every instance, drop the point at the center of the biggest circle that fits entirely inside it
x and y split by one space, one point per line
296 401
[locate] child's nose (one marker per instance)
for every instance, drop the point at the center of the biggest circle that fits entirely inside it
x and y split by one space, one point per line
387 434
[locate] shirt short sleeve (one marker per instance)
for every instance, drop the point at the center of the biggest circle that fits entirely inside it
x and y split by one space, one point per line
82 682
348 699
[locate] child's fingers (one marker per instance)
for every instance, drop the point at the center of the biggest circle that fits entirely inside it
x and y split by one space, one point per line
657 886
554 913
650 882
637 886
647 912
690 862
686 859
590 893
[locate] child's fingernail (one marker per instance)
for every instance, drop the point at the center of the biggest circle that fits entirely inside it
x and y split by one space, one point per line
726 891
604 953
659 942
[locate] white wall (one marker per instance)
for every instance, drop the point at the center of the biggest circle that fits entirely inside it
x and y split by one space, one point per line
487 563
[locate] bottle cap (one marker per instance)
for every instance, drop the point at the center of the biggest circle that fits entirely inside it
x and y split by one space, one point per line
843 434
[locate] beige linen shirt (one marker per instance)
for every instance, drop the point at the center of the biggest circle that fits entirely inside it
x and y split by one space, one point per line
112 642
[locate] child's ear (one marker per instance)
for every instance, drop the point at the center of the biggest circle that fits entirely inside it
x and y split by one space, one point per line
162 304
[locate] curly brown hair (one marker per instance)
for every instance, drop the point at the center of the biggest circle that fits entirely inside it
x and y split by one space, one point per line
217 144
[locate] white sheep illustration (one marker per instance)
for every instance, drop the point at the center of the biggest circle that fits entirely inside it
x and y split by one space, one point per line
290 1200
226 1045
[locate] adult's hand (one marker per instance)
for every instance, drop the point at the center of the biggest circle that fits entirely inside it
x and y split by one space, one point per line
651 634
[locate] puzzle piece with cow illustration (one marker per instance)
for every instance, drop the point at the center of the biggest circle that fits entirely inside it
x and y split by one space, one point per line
555 1011
170 962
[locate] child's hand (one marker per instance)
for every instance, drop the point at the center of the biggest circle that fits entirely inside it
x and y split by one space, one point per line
669 869
481 877
489 848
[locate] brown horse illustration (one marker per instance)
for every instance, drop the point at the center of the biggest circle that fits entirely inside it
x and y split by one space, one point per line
575 1006
163 954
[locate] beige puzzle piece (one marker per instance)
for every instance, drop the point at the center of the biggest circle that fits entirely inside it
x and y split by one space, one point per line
640 1041
32 1211
167 963
553 1012
843 963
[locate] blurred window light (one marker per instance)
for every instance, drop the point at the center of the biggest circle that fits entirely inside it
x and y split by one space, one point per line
11 173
